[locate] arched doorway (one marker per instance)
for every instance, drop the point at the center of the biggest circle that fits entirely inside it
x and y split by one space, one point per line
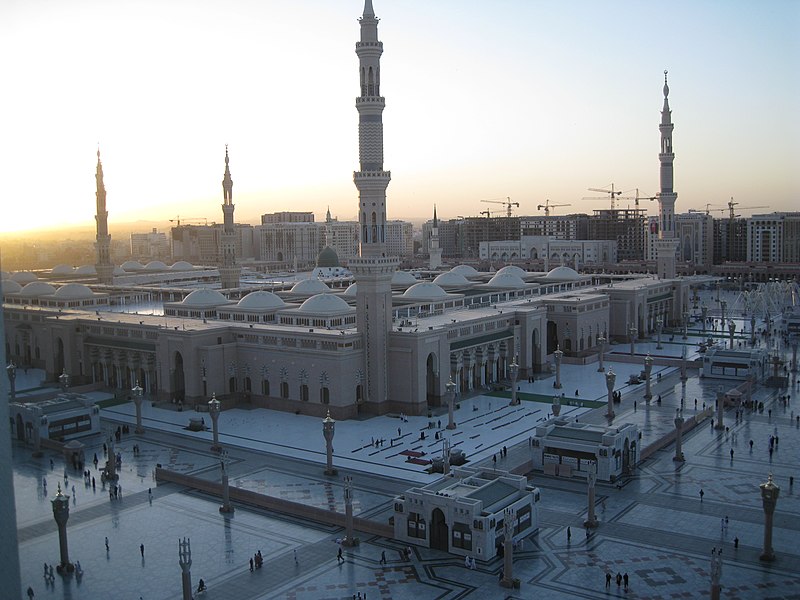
431 369
180 382
439 531
626 457
552 337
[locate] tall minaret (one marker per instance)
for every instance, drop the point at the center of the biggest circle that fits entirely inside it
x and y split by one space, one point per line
104 268
434 252
372 269
228 270
666 245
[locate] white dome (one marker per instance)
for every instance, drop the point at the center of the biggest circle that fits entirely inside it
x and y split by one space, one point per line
325 304
24 277
309 287
155 265
450 279
181 265
37 288
403 278
12 287
74 291
465 270
521 273
86 270
261 300
132 265
351 290
62 270
563 274
425 290
205 297
506 281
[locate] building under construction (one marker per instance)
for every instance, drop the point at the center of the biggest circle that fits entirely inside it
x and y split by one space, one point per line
625 226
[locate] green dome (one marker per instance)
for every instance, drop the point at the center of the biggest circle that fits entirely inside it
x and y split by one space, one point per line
328 258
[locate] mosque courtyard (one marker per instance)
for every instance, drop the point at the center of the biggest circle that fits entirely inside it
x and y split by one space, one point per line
654 526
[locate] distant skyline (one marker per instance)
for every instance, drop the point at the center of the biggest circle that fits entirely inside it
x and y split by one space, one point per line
522 99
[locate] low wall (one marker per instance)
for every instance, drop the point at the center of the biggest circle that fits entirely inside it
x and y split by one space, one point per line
313 513
669 438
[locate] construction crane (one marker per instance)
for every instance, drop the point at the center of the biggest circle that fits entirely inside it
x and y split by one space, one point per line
194 220
612 192
487 213
730 208
637 197
547 206
508 203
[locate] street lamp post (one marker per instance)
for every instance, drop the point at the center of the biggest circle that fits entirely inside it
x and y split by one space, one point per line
557 356
61 514
213 410
659 329
509 521
514 372
601 341
328 425
185 561
769 498
632 332
591 478
137 401
678 436
451 393
11 369
731 330
611 377
704 315
684 376
648 368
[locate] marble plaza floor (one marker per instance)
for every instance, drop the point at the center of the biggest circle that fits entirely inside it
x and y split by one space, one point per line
654 527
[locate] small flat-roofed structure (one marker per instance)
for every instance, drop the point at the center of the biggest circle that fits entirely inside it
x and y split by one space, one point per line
738 364
568 448
68 415
463 513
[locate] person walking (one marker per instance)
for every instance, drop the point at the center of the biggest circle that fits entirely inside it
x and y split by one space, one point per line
608 579
702 493
625 581
339 557
251 564
569 534
383 557
30 592
619 578
106 543
141 549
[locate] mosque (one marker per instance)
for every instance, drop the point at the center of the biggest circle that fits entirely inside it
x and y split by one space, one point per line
389 342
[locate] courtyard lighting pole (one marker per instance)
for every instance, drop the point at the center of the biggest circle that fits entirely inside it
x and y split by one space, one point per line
678 436
731 330
446 457
684 376
632 332
509 520
648 368
659 329
557 356
185 561
137 401
63 380
61 514
611 377
213 410
601 341
769 498
514 372
349 539
451 393
704 315
591 479
328 425
11 369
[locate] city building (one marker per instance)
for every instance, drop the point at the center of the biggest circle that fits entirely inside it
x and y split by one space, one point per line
562 227
774 237
400 238
695 231
625 225
287 217
150 246
730 240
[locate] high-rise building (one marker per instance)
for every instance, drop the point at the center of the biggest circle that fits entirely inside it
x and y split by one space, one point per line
373 267
399 238
103 266
625 226
667 244
229 271
774 237
287 217
342 236
292 244
695 232
150 246
730 240
562 227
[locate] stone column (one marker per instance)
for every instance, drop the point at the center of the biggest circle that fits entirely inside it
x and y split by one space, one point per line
720 409
514 372
769 498
557 356
648 368
11 369
61 514
451 392
704 314
678 436
684 376
509 520
716 573
137 392
227 507
731 330
659 329
349 538
185 561
213 410
591 520
632 331
328 426
601 341
611 377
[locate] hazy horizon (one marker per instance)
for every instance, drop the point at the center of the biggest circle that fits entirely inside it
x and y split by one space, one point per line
530 100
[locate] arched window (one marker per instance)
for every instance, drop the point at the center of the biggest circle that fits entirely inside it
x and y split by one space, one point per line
284 389
265 387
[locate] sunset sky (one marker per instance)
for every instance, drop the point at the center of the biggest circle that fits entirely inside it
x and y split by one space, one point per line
484 99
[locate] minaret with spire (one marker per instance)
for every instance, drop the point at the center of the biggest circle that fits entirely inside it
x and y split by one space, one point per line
372 269
434 251
103 266
229 271
666 245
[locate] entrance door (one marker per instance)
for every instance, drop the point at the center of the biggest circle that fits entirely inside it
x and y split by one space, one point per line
439 532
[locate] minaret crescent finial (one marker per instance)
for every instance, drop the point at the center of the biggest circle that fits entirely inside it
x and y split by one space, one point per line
666 87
